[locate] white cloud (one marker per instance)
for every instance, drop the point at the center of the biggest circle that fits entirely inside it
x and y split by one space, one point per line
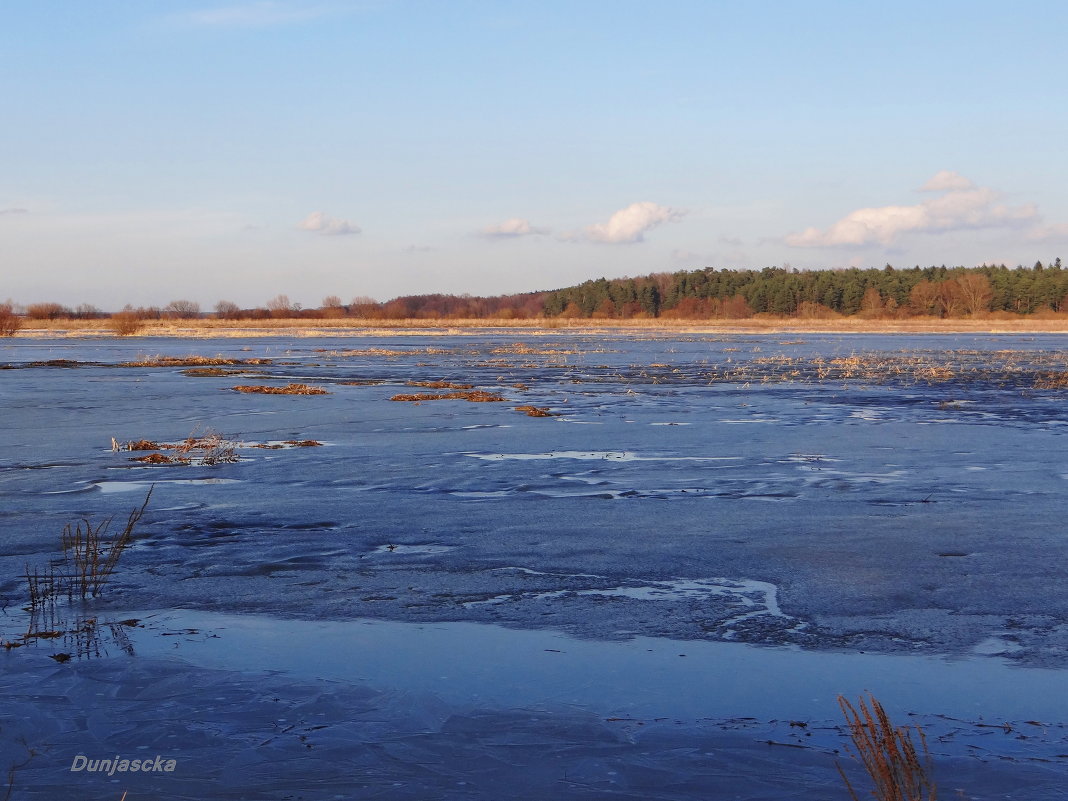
252 15
511 228
961 206
947 180
629 225
320 223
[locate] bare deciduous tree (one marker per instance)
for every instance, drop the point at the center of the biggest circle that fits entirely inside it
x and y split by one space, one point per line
974 292
282 306
182 309
227 310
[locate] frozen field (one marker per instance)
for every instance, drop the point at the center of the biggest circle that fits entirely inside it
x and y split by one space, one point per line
657 591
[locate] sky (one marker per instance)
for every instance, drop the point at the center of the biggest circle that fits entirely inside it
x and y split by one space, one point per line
241 149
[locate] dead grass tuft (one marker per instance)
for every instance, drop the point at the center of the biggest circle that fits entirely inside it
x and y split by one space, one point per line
209 448
190 361
475 396
1052 380
529 350
438 385
140 445
206 372
535 411
159 458
288 389
899 771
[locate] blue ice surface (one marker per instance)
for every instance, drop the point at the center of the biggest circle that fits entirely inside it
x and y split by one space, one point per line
793 539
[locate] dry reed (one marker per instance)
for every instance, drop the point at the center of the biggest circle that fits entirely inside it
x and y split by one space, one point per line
474 396
535 411
438 385
92 555
288 389
899 771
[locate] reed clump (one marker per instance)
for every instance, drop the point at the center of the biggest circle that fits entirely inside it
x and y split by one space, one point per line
90 555
288 389
208 372
474 396
438 385
898 765
191 361
209 448
535 411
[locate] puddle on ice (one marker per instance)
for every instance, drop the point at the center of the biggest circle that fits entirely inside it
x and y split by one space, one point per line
487 665
131 486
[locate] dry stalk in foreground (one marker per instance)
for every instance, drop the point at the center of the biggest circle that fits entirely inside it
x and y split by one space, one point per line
92 556
898 771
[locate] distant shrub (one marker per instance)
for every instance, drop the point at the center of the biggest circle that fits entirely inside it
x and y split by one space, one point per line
10 322
47 311
126 323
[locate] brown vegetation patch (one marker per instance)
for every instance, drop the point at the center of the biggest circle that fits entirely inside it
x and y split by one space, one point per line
142 445
159 458
288 389
529 350
1054 379
475 396
67 363
438 385
302 443
206 372
190 361
1006 368
367 383
535 411
388 352
209 448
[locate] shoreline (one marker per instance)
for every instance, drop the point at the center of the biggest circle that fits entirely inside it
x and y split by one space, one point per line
193 329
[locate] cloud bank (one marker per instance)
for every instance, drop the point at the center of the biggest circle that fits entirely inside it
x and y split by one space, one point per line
511 228
630 225
961 206
320 223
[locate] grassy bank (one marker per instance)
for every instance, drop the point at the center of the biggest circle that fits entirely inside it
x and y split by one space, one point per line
356 327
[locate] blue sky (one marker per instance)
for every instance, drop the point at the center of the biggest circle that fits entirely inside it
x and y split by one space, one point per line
237 150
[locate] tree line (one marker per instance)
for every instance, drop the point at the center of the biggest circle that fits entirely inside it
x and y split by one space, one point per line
887 292
688 294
